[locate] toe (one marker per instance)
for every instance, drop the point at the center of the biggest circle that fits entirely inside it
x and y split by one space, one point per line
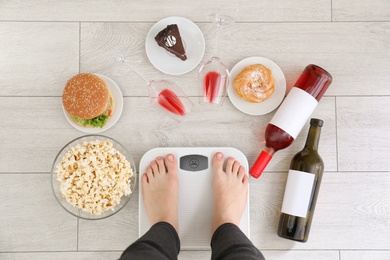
236 167
241 173
171 164
154 167
245 180
229 165
161 165
149 173
217 162
145 179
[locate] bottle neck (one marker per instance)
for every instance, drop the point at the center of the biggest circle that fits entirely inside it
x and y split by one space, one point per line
313 137
271 151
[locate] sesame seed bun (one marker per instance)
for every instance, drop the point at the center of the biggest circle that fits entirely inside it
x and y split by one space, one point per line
85 96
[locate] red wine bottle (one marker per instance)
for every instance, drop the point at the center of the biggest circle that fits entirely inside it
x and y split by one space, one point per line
303 185
292 114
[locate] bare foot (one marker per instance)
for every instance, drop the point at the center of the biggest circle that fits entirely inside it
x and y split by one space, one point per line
230 191
160 187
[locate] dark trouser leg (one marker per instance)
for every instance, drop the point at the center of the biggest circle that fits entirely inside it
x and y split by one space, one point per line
160 242
229 242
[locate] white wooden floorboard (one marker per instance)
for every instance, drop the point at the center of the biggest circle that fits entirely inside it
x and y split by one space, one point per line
32 219
61 256
105 10
271 255
363 134
37 58
298 255
363 255
365 10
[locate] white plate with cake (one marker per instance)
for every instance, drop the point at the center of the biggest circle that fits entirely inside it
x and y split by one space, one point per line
175 45
257 86
92 103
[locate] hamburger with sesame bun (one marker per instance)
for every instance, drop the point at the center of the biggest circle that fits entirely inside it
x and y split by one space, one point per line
88 100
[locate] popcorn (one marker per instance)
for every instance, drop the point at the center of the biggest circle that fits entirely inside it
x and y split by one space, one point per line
94 176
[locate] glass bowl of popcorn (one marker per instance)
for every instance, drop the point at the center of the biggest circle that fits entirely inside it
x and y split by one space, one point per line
93 177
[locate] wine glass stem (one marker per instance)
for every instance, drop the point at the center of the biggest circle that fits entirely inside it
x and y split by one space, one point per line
124 61
137 73
217 40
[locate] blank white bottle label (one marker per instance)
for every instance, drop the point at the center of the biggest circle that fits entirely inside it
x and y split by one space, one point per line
293 113
298 192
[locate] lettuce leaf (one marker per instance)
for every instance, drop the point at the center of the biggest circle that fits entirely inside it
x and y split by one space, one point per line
98 121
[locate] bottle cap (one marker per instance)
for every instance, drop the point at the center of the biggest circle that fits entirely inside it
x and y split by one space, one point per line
260 164
317 122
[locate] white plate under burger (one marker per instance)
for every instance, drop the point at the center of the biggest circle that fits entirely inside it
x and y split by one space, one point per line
267 105
193 42
117 95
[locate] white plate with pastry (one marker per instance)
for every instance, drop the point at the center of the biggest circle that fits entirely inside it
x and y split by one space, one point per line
269 98
191 38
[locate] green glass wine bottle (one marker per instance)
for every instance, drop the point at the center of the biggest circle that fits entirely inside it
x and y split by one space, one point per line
303 185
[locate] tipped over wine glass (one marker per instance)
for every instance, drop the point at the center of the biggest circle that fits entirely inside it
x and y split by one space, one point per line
214 75
164 95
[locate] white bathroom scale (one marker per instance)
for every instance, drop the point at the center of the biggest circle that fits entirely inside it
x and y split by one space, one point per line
195 195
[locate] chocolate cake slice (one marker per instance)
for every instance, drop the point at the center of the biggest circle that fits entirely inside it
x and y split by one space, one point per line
170 39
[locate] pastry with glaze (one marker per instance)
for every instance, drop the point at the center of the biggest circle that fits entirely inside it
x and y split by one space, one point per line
254 83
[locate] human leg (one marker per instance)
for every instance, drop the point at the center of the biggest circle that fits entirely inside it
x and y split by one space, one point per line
230 191
160 242
160 185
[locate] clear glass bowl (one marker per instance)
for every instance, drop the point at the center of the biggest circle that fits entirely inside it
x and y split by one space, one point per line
56 184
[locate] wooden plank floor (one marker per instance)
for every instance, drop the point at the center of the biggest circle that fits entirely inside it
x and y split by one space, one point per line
44 43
